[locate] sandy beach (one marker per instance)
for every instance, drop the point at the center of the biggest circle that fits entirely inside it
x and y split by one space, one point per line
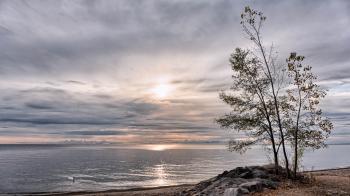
323 182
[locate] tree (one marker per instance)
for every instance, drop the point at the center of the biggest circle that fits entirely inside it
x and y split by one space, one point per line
251 112
252 22
306 126
266 107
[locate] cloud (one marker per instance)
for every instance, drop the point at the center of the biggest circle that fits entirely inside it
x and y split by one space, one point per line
60 121
75 82
39 106
96 133
89 65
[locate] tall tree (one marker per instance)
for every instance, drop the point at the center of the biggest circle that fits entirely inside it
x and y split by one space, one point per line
265 114
252 22
304 121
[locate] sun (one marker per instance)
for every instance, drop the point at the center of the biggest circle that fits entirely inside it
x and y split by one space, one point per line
161 90
160 147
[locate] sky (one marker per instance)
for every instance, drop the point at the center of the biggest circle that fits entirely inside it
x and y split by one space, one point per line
149 71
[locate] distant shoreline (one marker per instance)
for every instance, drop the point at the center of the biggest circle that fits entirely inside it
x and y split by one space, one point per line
331 169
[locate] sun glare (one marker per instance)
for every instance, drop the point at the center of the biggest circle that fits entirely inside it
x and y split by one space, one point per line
161 91
160 147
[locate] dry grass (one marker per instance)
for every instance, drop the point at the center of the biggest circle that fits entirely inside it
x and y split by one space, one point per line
327 182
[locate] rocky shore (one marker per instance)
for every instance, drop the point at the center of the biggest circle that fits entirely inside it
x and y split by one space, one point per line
239 181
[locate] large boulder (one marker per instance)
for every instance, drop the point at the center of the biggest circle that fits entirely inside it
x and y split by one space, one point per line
239 181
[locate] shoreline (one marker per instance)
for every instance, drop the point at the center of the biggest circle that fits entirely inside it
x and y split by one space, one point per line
161 190
331 169
88 192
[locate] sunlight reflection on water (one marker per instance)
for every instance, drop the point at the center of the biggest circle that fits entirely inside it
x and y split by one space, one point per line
160 173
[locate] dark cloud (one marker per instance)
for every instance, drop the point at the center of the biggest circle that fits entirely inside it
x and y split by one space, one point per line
40 106
60 121
96 133
179 126
75 82
46 90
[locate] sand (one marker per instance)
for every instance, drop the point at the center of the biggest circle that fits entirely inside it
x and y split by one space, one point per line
323 182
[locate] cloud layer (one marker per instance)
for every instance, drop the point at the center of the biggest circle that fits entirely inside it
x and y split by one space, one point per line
85 70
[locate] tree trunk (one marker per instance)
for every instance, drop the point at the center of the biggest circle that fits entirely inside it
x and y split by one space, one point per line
295 152
275 153
275 103
296 135
285 153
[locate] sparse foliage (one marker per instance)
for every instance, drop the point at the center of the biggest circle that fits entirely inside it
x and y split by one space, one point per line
251 109
248 114
265 107
304 121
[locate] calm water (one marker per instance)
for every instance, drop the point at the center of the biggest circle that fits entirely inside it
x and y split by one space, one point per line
36 168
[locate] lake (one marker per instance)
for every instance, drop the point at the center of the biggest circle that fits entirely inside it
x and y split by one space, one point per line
42 168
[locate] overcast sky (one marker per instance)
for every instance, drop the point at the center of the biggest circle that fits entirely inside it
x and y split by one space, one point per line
143 71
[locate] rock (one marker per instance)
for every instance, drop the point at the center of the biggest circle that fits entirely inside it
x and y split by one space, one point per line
235 192
247 175
239 181
270 184
218 187
260 174
231 192
252 186
223 173
244 191
203 185
241 172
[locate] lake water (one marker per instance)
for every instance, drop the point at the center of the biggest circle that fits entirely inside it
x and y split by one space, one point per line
42 168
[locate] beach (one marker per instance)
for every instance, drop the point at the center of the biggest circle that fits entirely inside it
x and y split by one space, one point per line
321 182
